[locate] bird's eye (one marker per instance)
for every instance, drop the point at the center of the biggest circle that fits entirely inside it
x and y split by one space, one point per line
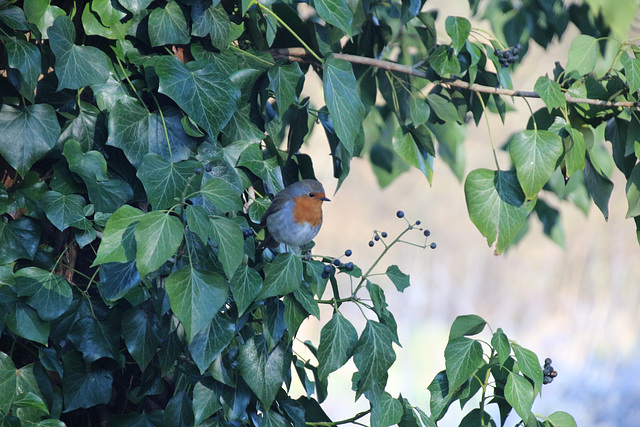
312 194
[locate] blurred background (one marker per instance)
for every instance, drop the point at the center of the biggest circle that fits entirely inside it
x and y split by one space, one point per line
578 305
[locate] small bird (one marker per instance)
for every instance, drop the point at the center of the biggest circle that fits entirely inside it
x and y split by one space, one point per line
295 215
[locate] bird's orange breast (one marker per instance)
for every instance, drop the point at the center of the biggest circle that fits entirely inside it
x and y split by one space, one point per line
308 209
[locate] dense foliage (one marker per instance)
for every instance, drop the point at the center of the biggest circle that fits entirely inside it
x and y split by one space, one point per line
140 143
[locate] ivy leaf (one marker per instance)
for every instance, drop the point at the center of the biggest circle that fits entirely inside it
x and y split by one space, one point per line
444 62
470 324
582 55
550 93
168 25
224 196
25 322
335 12
141 333
458 29
199 222
14 17
519 393
286 82
529 366
575 154
413 150
385 410
496 205
443 107
158 236
117 244
213 21
83 386
338 339
50 294
463 356
631 71
263 372
118 278
500 344
598 186
373 356
15 382
201 90
399 279
196 296
267 169
42 14
95 338
165 182
245 285
76 66
562 419
179 410
633 192
135 6
83 128
19 239
26 58
206 401
343 101
136 131
63 210
211 340
228 235
28 133
282 276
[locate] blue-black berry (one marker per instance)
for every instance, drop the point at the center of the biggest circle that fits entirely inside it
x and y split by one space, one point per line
384 234
376 237
327 269
400 214
197 170
427 233
325 275
208 168
433 245
336 262
547 361
247 232
348 266
348 252
371 243
418 222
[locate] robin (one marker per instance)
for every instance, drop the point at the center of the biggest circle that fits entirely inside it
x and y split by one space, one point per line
295 215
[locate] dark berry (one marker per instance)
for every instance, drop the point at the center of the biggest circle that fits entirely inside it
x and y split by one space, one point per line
348 252
507 54
418 222
400 214
326 275
348 266
518 47
327 269
376 237
498 53
547 361
504 62
427 233
247 232
433 245
197 170
336 262
208 168
384 234
371 243
553 374
547 370
546 380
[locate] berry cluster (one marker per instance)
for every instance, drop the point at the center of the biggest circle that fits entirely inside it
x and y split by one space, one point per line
508 56
400 214
548 372
247 232
329 269
198 170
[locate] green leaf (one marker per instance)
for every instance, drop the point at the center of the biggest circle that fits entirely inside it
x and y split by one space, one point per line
496 205
500 344
116 279
561 419
470 324
282 276
631 71
14 17
91 166
63 210
575 154
136 131
443 107
141 333
84 128
19 239
463 356
215 22
224 196
335 12
245 286
266 169
399 279
117 244
94 27
519 393
633 192
199 222
158 236
196 296
165 183
582 55
228 235
94 338
343 101
263 372
201 90
441 399
598 186
338 339
179 411
444 62
535 155
49 293
76 66
385 410
83 386
413 150
15 383
26 58
373 356
25 322
42 14
135 6
28 133
168 25
550 93
30 400
211 341
529 365
206 401
458 29
286 82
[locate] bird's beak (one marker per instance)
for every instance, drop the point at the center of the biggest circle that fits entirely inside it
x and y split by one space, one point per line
325 199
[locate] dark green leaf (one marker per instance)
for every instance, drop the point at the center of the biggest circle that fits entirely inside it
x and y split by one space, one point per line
263 372
179 411
582 55
48 293
196 296
304 295
338 339
458 29
63 210
282 276
84 128
28 134
158 236
561 419
463 356
76 66
228 235
414 151
441 399
15 382
140 330
168 25
245 286
286 82
535 154
335 12
266 169
445 62
83 386
633 192
24 321
575 154
135 6
26 58
631 71
19 239
95 339
496 205
215 22
206 401
224 196
477 417
116 279
199 222
443 107
165 183
211 340
550 93
42 14
519 393
343 101
14 17
373 356
598 186
201 90
501 345
529 365
385 410
115 246
470 324
399 279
